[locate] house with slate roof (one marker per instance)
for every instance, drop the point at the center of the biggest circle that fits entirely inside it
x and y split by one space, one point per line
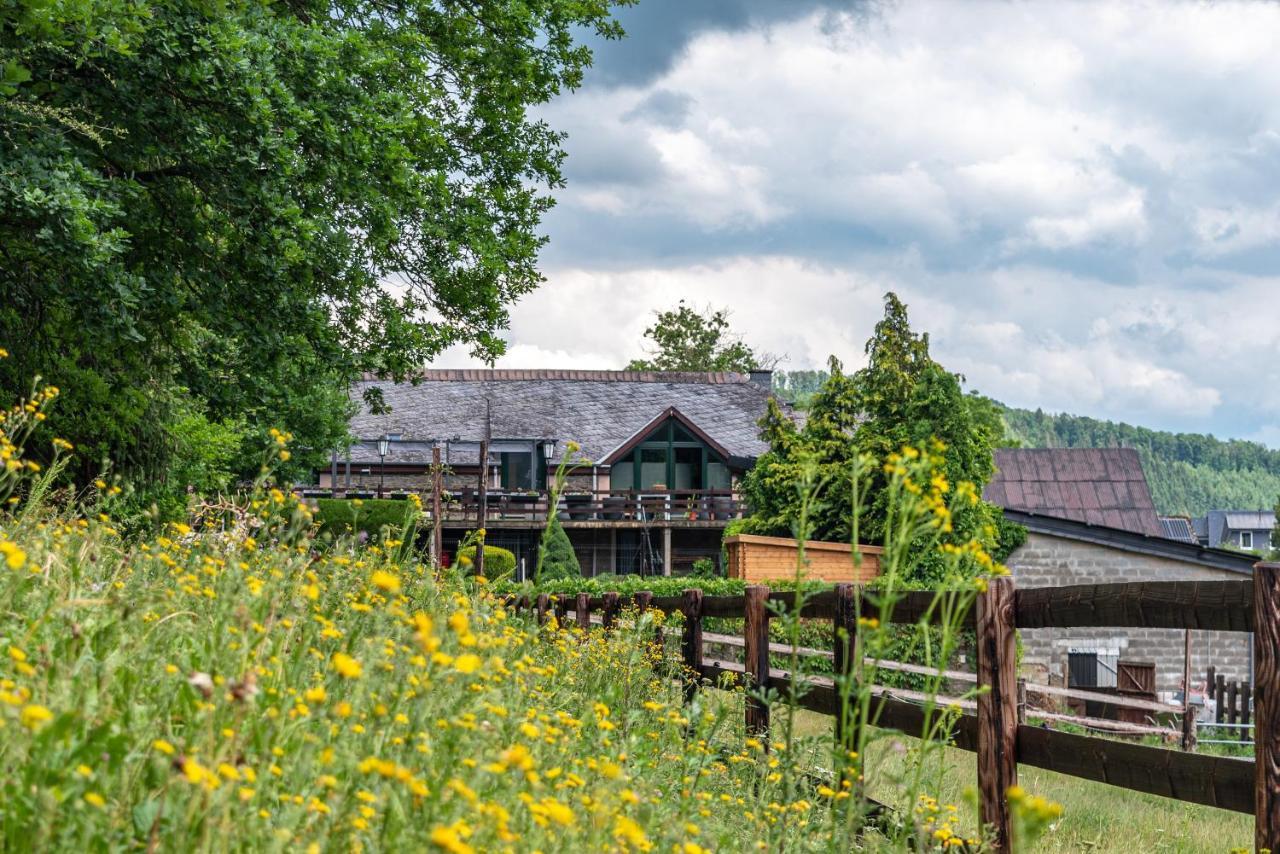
1248 530
659 456
1090 519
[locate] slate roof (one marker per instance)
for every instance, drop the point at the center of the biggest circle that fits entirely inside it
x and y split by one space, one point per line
1178 528
600 410
1250 520
1100 486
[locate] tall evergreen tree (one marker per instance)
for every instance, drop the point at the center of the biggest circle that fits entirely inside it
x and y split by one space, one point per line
901 398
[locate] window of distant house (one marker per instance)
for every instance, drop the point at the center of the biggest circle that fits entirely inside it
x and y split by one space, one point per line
517 469
1246 539
671 457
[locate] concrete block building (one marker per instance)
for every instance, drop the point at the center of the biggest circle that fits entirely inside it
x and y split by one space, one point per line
1090 520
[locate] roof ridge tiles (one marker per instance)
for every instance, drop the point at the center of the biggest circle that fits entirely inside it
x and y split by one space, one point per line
570 375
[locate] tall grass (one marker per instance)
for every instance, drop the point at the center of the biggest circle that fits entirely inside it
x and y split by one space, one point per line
237 683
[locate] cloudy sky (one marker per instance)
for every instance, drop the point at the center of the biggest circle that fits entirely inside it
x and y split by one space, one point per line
1078 201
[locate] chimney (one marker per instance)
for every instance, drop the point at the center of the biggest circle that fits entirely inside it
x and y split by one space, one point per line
764 379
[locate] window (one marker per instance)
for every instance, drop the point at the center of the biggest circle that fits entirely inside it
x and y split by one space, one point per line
1246 539
653 467
517 469
671 457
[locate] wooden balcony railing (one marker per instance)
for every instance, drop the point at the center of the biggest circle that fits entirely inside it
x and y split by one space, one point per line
659 507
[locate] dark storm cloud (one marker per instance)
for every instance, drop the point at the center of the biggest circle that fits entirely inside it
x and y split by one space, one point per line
659 30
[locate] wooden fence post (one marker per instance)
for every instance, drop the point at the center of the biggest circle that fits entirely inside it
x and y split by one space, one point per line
582 610
541 604
844 644
609 610
1022 700
643 600
1246 692
1266 701
1188 727
1220 691
437 523
1233 691
997 708
756 637
561 609
691 641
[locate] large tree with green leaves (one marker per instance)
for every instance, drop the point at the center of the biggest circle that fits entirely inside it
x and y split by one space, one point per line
901 398
215 214
686 339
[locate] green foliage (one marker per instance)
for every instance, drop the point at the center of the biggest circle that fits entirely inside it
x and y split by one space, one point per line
799 387
234 209
559 562
685 339
705 567
902 398
497 562
341 516
1189 474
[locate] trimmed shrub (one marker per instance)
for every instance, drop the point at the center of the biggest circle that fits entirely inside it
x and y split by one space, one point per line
339 516
560 562
498 562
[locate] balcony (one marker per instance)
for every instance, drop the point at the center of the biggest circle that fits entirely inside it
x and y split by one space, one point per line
693 508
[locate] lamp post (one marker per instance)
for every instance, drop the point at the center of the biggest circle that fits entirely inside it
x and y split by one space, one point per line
384 445
548 451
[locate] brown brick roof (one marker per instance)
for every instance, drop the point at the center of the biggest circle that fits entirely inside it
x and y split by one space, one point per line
1101 486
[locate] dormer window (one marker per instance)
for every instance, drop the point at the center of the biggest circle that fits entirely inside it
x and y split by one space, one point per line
670 457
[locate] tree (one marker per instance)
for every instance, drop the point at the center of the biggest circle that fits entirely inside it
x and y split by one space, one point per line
559 561
234 209
902 398
685 339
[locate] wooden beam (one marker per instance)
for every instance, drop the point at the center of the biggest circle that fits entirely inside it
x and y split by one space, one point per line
1197 778
582 610
756 638
997 709
691 641
1210 605
1266 727
543 602
609 610
437 522
844 643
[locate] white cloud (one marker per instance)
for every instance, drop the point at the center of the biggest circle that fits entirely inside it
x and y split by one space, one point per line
1072 197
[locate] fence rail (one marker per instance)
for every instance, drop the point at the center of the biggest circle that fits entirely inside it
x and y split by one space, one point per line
991 726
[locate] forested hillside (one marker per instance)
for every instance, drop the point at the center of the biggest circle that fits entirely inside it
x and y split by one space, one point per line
1189 473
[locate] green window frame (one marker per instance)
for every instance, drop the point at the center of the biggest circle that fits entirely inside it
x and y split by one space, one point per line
671 438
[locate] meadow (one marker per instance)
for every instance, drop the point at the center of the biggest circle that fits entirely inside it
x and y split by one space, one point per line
236 682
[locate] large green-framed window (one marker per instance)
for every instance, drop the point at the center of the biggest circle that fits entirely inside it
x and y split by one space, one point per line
670 457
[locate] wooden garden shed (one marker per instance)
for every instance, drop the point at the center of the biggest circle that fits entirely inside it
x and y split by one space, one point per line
762 559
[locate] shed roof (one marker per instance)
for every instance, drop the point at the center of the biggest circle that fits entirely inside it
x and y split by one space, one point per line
601 410
1100 486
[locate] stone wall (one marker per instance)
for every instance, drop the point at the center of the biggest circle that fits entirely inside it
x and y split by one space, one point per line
1051 561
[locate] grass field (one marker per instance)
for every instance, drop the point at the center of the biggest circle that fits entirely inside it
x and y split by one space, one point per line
1096 817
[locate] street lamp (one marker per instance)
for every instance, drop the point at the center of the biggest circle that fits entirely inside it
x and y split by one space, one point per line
548 451
384 445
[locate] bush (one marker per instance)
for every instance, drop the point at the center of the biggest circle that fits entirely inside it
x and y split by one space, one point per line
339 516
498 562
559 562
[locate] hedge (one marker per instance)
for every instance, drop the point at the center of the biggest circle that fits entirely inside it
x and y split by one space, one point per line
339 516
497 562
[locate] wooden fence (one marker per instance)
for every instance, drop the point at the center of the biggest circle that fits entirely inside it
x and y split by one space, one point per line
993 730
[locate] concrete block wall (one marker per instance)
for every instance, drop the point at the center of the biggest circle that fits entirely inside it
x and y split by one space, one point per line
1051 561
